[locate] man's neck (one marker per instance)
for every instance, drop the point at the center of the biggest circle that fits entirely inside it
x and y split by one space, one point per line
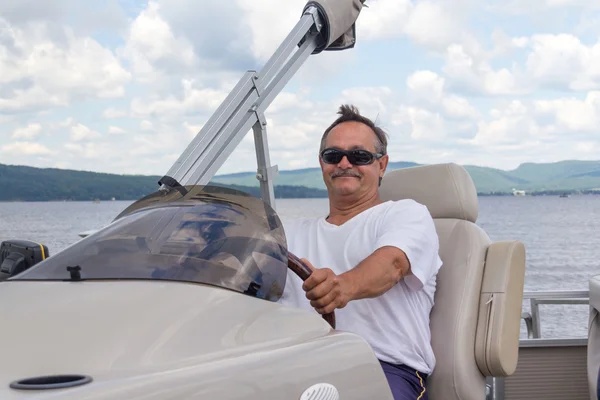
342 210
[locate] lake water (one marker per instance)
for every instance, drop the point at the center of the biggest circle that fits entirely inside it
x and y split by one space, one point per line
560 235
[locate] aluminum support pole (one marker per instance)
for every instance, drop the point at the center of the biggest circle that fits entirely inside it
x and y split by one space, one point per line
242 110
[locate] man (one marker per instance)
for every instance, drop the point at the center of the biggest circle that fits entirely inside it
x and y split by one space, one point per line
375 263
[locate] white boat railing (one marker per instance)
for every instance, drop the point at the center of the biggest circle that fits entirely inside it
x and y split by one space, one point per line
532 318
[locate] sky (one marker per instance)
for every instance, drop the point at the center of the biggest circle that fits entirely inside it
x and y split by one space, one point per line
123 86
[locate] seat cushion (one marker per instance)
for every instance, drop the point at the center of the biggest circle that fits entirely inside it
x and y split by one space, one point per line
454 317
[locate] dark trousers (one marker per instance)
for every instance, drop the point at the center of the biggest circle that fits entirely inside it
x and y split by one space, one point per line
406 383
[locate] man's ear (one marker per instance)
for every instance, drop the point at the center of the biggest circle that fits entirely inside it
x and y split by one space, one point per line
383 163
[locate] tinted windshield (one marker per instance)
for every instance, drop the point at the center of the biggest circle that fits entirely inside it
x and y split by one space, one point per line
210 235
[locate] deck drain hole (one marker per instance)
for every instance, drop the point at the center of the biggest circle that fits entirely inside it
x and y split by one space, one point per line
50 382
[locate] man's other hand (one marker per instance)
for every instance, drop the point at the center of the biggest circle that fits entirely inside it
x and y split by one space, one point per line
326 290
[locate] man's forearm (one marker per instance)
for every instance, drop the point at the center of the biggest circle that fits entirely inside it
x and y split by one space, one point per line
376 274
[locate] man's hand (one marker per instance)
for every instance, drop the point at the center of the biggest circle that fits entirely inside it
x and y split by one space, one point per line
326 290
372 277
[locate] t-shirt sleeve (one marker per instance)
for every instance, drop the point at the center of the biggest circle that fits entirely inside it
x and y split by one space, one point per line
409 226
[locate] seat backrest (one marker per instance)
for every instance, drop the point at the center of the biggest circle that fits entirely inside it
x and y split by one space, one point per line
475 321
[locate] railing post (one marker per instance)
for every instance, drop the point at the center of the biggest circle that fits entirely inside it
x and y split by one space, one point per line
494 388
528 323
535 319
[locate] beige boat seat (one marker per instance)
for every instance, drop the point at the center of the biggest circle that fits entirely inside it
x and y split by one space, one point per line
475 322
593 349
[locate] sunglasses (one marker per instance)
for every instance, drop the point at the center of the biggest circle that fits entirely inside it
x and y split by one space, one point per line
355 157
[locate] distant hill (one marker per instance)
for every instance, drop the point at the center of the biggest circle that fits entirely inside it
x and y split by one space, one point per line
43 184
309 177
21 183
537 178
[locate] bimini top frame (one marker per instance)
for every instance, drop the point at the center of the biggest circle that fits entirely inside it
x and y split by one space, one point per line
324 25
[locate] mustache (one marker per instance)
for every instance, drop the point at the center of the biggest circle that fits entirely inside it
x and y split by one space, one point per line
345 172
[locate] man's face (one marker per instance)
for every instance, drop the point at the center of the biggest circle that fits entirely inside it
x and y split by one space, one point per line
343 178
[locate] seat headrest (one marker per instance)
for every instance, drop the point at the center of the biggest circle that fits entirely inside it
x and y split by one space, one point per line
447 190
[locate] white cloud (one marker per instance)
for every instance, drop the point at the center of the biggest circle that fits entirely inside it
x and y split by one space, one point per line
33 98
427 14
429 89
535 7
572 3
25 148
153 48
82 132
456 107
87 151
423 125
472 74
589 148
115 130
562 61
155 144
292 135
570 114
426 87
111 113
290 101
39 72
504 45
548 130
383 19
146 125
433 24
193 101
512 124
554 62
269 21
29 132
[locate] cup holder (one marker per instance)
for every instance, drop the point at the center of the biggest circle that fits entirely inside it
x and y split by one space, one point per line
50 382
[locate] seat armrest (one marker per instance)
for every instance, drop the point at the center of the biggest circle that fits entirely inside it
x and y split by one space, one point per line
501 300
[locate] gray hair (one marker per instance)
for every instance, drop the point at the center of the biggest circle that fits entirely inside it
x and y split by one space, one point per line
351 113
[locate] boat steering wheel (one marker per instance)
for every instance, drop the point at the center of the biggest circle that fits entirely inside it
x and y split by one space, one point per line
232 245
303 272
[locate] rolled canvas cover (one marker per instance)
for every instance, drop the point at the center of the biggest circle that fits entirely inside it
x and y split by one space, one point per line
339 17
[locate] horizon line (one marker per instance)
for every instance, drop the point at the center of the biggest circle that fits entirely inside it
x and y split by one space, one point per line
308 168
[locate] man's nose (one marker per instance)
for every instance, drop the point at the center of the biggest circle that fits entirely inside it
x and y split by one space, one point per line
344 163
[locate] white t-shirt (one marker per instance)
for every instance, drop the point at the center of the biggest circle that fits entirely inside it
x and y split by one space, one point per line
395 324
